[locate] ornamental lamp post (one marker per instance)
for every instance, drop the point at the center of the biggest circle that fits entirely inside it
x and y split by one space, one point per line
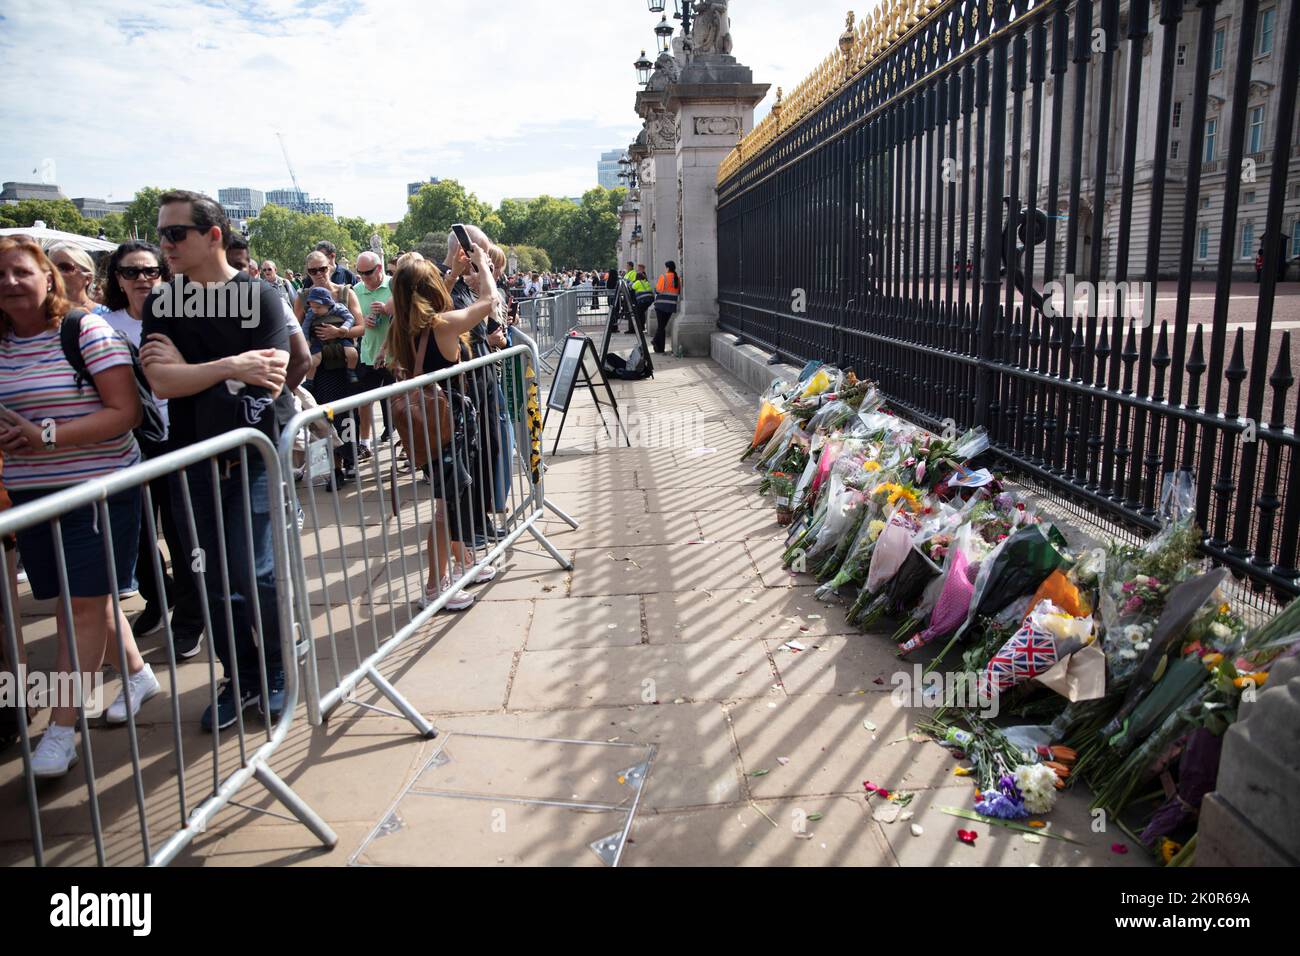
664 34
684 14
643 68
656 6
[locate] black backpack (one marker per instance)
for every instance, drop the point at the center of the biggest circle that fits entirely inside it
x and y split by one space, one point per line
151 433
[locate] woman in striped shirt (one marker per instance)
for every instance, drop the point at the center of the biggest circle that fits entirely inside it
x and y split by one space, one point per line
54 433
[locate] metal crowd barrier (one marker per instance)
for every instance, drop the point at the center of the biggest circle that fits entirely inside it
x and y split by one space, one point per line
387 514
197 799
550 317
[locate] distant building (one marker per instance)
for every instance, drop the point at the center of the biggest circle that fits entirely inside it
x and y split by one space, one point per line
16 192
413 188
299 201
607 169
98 208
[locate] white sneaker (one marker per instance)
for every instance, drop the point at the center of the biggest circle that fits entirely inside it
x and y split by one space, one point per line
457 602
56 752
143 686
489 573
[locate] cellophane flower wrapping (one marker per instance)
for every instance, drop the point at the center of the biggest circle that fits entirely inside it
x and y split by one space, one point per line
891 548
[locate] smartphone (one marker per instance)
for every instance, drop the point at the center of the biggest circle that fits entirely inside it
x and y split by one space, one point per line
463 238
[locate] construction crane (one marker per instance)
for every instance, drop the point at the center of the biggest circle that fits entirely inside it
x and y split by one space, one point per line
292 174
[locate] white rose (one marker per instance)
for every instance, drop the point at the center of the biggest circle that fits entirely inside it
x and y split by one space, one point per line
1134 633
1128 655
1221 630
1141 645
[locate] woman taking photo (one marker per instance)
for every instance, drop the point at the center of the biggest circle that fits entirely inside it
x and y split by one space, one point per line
427 335
134 269
78 272
55 433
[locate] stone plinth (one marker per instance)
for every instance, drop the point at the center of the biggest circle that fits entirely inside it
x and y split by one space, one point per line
1253 818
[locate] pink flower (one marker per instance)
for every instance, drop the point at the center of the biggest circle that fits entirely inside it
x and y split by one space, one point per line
1132 605
920 472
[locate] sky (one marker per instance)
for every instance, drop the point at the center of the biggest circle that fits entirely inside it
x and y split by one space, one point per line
513 98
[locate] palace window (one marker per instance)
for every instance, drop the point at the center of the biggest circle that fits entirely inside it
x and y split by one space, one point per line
1211 129
1248 241
1220 39
1256 140
1266 20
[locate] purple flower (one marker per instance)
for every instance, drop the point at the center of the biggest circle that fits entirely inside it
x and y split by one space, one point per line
998 804
1128 587
1003 501
1132 605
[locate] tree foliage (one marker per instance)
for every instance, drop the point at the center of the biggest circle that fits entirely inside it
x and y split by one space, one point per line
555 231
58 214
286 237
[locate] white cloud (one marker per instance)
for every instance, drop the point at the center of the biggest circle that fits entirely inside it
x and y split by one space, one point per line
511 98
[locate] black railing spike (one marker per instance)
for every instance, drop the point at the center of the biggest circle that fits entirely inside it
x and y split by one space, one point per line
1281 381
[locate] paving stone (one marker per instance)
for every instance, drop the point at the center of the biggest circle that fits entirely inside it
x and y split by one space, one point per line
610 530
835 665
663 497
742 836
829 748
695 763
445 831
739 614
590 677
661 568
585 622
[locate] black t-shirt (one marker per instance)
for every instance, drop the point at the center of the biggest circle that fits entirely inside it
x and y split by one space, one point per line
243 321
342 276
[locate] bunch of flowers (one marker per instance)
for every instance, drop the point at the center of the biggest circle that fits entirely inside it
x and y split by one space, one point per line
1037 784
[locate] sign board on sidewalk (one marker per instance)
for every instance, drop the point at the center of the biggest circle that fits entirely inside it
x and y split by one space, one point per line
579 363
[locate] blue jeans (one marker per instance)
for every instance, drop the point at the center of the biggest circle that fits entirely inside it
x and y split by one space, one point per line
243 588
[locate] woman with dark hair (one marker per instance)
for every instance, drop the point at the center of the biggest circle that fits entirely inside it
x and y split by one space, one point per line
134 269
428 335
56 431
667 292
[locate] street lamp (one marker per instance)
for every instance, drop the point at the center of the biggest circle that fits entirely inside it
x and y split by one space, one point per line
684 14
656 6
664 34
643 68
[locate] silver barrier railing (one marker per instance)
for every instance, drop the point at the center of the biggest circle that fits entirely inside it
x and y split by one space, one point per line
377 514
549 318
195 474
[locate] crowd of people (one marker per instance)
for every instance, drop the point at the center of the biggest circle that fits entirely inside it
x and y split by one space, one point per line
102 368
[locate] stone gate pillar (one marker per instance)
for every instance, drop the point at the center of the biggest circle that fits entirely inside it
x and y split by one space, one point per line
713 100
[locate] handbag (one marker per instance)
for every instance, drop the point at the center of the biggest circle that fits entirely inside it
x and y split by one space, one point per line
415 410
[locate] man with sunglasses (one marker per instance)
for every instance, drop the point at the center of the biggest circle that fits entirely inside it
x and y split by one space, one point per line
339 275
281 286
377 311
187 358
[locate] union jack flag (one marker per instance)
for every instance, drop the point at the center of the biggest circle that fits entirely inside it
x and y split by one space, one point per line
1031 651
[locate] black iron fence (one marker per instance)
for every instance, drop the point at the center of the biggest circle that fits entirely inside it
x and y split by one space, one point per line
930 218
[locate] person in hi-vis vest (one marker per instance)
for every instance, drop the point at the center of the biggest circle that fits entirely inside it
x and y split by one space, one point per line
668 290
643 296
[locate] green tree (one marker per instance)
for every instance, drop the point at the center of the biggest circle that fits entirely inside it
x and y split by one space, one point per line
531 258
58 214
141 216
514 221
594 229
114 226
551 226
433 246
286 237
435 208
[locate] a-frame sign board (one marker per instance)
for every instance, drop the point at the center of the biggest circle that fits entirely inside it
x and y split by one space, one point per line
622 309
578 363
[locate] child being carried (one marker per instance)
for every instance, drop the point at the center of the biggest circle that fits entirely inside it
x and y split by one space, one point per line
335 353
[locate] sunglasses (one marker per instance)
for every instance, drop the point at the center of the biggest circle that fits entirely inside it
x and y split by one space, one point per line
175 234
67 268
267 270
319 270
135 272
366 272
